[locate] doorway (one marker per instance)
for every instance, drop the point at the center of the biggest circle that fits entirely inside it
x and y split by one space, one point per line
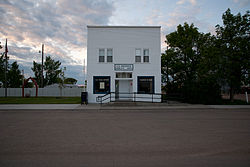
123 90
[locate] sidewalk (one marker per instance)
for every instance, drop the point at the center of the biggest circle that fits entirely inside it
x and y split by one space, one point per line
141 106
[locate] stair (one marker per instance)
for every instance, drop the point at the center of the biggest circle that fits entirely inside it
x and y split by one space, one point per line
121 103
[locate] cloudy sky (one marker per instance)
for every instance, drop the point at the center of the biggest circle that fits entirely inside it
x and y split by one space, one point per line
61 24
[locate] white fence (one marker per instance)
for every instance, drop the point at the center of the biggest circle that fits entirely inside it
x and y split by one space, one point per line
56 92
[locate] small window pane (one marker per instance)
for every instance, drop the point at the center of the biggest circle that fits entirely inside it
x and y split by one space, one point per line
101 52
109 52
138 59
138 52
146 59
123 75
109 58
146 52
101 58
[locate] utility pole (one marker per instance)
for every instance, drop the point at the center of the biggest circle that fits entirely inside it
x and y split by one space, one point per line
5 73
42 66
23 76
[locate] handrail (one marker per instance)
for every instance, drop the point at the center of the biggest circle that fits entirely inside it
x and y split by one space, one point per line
100 98
134 97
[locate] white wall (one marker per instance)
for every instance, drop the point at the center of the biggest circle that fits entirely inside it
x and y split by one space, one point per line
55 92
123 41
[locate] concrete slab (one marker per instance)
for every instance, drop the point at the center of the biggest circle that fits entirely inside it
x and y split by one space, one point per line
137 106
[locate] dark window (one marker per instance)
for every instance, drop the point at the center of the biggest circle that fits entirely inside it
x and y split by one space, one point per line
146 59
101 59
110 59
138 55
101 84
145 84
145 55
101 55
123 75
138 59
109 55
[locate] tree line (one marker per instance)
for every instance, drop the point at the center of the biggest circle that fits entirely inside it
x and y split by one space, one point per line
197 65
53 73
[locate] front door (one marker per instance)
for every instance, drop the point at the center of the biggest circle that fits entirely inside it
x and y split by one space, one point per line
125 90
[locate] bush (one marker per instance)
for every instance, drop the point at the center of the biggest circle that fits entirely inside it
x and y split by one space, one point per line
204 92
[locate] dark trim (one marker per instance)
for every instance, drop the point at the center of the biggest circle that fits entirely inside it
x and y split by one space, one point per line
94 84
153 80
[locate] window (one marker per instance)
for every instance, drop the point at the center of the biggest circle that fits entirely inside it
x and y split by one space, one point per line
123 75
137 59
101 55
146 55
145 84
101 59
138 52
145 59
138 55
110 55
101 84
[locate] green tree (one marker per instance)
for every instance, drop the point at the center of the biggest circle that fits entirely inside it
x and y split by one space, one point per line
14 76
52 71
2 68
37 69
184 43
29 84
70 81
187 65
234 43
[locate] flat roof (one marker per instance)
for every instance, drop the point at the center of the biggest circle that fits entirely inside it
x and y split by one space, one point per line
90 26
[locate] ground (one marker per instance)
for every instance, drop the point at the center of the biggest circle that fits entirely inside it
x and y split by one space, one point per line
170 137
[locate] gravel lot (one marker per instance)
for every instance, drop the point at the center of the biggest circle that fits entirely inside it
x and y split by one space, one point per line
175 137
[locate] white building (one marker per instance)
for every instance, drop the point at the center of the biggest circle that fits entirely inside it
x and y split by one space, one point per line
125 60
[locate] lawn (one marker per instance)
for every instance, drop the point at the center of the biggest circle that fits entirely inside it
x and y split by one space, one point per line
40 100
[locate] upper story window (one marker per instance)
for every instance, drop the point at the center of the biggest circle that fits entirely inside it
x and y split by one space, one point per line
109 55
101 55
138 55
146 55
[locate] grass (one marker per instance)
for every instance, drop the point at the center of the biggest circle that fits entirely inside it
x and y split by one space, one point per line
40 100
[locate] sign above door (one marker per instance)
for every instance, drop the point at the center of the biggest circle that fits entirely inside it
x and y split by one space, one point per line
123 67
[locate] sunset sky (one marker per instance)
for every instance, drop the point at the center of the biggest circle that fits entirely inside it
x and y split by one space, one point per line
61 24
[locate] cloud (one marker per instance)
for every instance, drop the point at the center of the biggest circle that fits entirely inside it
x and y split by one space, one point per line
181 2
242 3
154 18
185 11
59 24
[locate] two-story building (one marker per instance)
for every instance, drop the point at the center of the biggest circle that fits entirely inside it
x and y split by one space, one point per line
125 60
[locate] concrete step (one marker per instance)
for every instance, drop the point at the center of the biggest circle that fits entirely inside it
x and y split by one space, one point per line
131 103
121 103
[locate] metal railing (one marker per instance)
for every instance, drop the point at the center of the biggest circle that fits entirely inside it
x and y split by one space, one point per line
131 97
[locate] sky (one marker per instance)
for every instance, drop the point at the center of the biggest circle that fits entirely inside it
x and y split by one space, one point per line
61 25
